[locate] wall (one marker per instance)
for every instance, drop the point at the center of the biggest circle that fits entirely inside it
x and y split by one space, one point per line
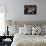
15 9
41 12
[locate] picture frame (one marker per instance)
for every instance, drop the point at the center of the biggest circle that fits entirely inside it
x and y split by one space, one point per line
30 9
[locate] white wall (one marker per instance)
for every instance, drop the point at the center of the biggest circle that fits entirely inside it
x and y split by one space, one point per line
15 9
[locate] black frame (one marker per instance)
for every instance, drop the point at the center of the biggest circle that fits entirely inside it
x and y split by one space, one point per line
30 9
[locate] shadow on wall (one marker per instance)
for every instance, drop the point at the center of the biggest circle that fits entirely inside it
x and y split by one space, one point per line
21 23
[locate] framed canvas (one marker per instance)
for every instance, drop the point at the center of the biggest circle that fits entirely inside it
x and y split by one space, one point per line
30 9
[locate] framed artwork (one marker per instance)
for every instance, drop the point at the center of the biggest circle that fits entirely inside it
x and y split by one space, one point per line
30 9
